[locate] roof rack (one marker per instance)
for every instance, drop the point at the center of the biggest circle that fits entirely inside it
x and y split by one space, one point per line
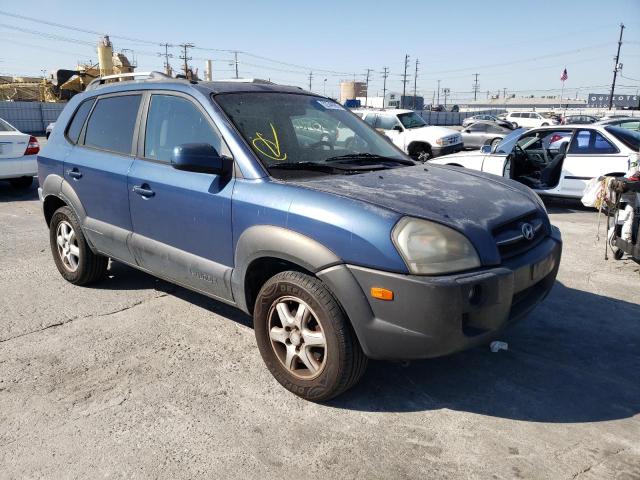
132 76
246 80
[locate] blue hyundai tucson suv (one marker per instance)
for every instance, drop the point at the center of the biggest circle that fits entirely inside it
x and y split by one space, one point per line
288 206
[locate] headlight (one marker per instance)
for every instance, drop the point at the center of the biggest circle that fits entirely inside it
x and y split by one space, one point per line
440 141
429 248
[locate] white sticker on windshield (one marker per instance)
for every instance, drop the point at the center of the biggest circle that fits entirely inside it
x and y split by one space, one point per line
329 105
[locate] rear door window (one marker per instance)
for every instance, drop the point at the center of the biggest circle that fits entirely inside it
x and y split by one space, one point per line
371 119
386 122
75 127
478 127
591 142
112 123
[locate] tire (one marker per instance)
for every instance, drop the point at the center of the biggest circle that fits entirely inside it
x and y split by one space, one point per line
82 267
495 142
515 125
22 183
334 366
421 152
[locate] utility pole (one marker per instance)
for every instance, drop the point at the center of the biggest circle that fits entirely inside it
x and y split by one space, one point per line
438 102
616 67
167 56
415 84
476 87
385 74
404 81
366 92
504 93
185 57
235 56
310 78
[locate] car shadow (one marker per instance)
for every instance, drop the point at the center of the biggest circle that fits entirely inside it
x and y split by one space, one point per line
123 277
575 359
10 194
566 205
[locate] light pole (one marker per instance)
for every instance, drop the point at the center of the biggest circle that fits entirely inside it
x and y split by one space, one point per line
324 88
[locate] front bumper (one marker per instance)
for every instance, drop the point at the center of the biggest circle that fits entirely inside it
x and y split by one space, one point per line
439 151
25 166
435 316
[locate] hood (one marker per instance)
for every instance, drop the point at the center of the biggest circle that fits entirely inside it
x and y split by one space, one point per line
471 202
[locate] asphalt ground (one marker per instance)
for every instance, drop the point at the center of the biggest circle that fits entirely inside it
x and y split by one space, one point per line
137 378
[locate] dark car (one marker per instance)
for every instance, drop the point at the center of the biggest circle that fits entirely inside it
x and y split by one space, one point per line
578 120
340 252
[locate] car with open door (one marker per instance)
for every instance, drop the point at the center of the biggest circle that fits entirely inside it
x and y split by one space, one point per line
555 161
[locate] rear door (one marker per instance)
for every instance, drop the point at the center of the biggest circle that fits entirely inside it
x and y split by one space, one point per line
181 220
97 168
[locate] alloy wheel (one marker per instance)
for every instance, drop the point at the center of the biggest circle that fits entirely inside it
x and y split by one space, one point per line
297 338
67 244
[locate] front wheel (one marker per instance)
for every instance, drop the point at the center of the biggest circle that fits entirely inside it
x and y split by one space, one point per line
305 339
21 183
421 153
545 124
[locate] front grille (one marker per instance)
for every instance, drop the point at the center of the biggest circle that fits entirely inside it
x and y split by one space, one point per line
510 239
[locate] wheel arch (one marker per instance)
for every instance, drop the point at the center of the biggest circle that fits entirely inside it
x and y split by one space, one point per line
264 250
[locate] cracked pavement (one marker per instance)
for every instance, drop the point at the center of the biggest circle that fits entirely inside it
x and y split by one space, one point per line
135 377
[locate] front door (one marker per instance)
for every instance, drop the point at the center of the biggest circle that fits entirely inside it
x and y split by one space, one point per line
390 126
181 220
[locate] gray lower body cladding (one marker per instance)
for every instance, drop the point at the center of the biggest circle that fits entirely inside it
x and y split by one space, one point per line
435 316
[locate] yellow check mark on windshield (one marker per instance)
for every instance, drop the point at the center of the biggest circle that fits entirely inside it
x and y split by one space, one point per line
269 148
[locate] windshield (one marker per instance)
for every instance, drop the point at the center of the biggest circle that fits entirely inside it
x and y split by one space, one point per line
290 131
508 142
411 120
630 138
5 127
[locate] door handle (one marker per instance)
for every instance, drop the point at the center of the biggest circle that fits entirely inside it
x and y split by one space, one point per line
74 173
144 190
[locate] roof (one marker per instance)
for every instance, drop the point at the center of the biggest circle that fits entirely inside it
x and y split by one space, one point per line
239 86
392 111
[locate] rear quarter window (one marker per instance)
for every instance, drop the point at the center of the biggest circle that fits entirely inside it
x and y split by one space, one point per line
75 127
112 122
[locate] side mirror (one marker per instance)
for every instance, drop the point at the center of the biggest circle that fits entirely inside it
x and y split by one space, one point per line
397 128
199 157
486 149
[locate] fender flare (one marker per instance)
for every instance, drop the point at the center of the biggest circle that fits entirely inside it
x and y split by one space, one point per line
276 242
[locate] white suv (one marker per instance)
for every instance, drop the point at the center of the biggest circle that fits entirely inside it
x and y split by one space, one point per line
408 131
529 120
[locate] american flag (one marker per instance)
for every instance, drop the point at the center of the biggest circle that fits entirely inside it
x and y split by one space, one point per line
564 75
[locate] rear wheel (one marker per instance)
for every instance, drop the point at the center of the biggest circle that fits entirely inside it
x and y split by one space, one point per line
73 257
305 338
545 124
21 183
494 143
515 125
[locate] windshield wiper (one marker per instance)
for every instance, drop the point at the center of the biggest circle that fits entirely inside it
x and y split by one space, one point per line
367 156
319 167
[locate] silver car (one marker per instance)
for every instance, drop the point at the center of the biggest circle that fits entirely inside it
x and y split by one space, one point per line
483 133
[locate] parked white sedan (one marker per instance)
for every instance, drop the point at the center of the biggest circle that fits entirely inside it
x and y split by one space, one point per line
555 161
18 153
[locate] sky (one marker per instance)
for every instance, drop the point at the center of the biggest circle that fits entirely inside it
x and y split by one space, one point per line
521 46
